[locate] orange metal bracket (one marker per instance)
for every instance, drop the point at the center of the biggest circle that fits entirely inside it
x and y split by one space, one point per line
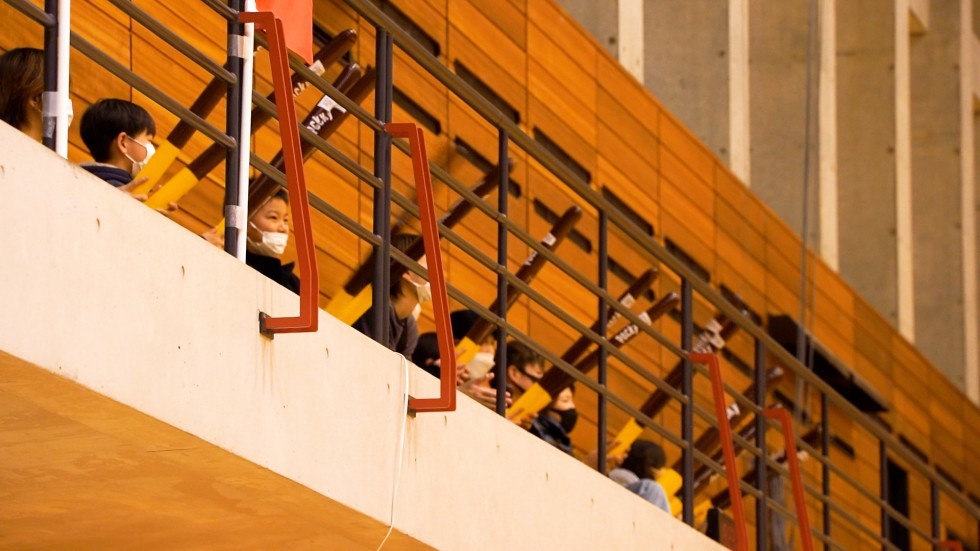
299 202
727 446
950 544
799 498
433 254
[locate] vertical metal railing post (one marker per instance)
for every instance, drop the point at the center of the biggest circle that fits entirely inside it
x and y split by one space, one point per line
503 192
762 479
934 510
48 120
382 195
603 278
687 410
883 477
233 121
825 468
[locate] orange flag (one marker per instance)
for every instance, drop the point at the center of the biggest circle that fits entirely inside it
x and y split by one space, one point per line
297 23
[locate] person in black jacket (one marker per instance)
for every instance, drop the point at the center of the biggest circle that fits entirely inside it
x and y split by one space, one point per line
266 239
117 133
406 293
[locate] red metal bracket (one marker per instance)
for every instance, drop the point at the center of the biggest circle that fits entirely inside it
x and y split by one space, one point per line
299 202
727 446
799 497
433 254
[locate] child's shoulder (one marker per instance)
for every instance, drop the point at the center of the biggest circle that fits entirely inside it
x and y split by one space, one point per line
114 175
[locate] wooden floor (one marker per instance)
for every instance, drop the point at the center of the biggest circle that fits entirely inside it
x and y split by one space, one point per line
80 471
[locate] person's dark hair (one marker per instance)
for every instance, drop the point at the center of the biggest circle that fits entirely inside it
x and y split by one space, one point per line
520 356
462 321
106 118
402 242
21 80
427 351
643 456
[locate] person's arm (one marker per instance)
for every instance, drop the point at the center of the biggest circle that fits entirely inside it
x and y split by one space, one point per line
409 339
479 390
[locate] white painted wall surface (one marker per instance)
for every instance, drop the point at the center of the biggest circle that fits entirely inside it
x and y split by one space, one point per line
103 291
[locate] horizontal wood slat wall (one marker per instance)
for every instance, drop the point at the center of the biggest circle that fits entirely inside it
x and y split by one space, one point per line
564 85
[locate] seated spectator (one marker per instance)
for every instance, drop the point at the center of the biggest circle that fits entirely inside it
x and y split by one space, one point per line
117 133
426 353
524 368
266 239
426 356
405 294
639 471
483 361
556 421
21 89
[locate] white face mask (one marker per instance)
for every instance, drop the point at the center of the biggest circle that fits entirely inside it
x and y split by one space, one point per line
481 363
138 165
272 243
423 291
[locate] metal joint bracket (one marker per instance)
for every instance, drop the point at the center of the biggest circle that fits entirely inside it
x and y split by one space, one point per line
234 216
237 45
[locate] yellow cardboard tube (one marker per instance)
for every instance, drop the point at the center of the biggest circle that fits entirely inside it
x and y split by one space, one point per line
629 433
466 350
173 190
671 480
356 307
530 403
701 512
339 303
153 171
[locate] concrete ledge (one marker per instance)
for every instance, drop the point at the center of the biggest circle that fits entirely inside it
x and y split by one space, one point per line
103 291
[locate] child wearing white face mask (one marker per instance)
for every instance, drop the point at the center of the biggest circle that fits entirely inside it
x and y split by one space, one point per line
406 293
266 239
117 133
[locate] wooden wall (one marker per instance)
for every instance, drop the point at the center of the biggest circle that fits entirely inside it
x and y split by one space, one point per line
561 83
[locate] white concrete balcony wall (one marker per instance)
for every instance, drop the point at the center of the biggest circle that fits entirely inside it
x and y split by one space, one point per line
103 291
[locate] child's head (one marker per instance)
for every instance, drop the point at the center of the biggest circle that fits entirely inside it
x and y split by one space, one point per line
21 86
409 284
118 132
268 227
524 368
644 459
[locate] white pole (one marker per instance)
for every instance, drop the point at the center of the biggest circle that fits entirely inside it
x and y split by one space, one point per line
64 48
244 140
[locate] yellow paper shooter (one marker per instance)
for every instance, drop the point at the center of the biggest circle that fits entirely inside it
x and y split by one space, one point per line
530 403
153 171
627 435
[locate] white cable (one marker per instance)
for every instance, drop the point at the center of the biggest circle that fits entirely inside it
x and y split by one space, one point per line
398 461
